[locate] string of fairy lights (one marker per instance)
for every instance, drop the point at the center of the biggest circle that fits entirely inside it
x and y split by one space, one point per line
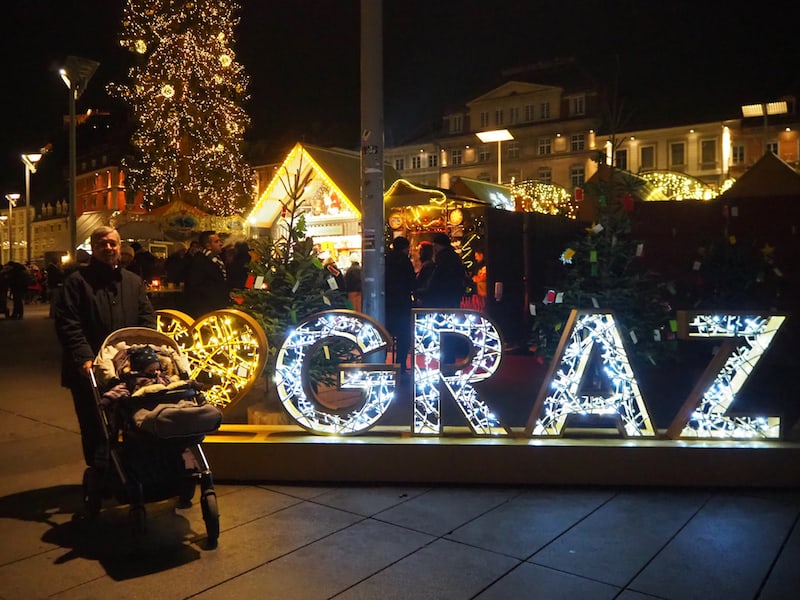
186 93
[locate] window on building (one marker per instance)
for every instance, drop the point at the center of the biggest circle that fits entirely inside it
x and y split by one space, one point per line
737 154
512 149
621 159
416 162
484 119
455 157
498 117
677 154
545 146
577 176
577 105
484 176
529 114
544 110
484 154
433 161
513 115
577 142
647 157
545 175
708 154
399 164
456 123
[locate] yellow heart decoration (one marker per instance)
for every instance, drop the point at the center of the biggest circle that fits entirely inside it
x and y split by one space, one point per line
226 350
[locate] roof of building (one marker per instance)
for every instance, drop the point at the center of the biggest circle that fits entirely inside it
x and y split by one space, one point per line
770 177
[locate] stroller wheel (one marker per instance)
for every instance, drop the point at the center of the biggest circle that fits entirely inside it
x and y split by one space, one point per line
208 503
92 492
138 518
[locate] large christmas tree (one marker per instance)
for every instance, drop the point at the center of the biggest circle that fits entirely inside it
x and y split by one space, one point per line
186 93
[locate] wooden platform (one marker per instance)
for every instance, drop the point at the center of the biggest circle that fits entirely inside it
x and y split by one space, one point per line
284 453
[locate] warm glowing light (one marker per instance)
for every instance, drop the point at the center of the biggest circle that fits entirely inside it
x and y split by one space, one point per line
140 47
226 349
167 91
496 135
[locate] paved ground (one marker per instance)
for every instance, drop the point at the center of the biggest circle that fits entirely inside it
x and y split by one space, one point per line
364 542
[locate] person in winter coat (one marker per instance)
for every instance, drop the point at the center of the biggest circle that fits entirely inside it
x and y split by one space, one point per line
96 299
398 287
19 278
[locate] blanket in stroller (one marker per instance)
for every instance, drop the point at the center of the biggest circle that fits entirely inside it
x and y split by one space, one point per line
148 384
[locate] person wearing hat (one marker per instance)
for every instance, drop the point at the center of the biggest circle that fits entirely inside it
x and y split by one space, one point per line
399 285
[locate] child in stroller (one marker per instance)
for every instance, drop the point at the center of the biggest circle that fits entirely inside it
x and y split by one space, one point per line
154 419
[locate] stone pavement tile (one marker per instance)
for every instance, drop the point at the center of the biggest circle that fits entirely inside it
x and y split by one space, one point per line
530 521
150 570
444 570
303 491
327 566
784 580
27 517
618 540
368 501
441 510
725 552
533 582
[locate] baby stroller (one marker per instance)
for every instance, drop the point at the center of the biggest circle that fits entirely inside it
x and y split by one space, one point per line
153 418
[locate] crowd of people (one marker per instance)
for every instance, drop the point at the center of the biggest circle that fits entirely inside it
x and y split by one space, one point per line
440 281
22 284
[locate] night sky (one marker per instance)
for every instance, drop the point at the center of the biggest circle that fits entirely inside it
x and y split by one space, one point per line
302 57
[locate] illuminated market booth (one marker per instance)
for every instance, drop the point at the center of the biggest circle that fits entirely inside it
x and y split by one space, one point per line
324 184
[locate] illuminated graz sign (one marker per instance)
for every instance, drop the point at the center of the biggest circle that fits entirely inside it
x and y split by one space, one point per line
307 369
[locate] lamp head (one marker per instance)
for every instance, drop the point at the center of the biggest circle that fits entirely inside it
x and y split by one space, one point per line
30 160
12 199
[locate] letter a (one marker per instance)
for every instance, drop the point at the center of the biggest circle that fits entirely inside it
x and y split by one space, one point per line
587 332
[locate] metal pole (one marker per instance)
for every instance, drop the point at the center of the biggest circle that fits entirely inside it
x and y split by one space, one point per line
27 214
73 233
372 218
10 230
499 162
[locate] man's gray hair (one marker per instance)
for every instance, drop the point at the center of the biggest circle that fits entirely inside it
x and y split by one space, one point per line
100 232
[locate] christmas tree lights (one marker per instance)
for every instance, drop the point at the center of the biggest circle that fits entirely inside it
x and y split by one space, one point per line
185 92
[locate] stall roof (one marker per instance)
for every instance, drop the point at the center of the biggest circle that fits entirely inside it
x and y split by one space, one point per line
404 193
498 196
339 169
770 177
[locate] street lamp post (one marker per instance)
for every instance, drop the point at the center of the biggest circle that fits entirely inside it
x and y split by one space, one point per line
30 161
764 109
12 202
3 219
499 136
76 75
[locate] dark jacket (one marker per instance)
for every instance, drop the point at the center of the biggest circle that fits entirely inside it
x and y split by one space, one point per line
97 300
399 283
206 287
445 286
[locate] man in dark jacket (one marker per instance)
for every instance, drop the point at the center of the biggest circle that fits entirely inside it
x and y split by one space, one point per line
206 287
398 285
445 286
96 300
